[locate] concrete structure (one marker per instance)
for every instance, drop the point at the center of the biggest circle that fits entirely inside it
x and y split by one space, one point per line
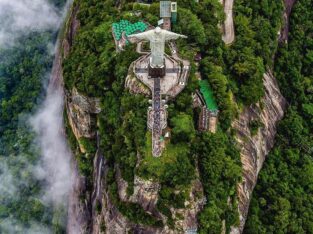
173 12
165 9
157 38
162 89
207 119
169 86
168 13
171 83
164 75
165 14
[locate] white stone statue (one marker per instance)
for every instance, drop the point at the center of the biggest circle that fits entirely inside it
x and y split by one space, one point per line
157 38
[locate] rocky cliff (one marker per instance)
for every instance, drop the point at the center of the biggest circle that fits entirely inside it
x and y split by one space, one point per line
94 212
228 26
78 108
254 148
81 113
91 210
285 29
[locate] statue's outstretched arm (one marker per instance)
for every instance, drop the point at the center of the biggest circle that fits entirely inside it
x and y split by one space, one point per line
172 36
141 36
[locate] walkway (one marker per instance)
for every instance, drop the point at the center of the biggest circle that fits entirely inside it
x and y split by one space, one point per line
157 129
175 80
183 78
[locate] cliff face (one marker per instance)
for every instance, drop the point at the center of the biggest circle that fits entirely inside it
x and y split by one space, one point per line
254 149
285 29
94 212
228 26
80 107
145 194
91 210
81 113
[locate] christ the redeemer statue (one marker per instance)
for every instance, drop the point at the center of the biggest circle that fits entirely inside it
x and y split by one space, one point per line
157 38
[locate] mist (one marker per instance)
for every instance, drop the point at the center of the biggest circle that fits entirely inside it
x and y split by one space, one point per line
13 226
17 19
54 166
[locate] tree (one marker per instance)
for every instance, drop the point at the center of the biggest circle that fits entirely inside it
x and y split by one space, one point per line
183 129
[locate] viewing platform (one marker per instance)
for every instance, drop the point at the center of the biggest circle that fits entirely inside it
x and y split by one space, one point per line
174 81
170 85
164 75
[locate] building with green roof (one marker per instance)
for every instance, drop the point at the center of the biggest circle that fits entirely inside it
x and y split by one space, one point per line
127 27
208 96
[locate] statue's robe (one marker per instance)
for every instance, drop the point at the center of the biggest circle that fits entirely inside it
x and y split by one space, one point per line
157 44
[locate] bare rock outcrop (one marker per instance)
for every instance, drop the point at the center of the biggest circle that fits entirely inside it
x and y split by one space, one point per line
81 111
136 87
146 195
228 26
146 192
254 149
72 26
193 205
285 29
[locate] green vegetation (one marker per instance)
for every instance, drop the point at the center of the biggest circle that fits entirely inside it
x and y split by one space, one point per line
221 89
23 69
282 200
234 75
257 24
220 168
154 168
183 130
254 126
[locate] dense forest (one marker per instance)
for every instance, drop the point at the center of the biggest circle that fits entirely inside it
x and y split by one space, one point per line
24 69
282 200
234 72
125 114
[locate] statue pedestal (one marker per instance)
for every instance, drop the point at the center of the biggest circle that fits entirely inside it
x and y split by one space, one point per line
174 80
156 72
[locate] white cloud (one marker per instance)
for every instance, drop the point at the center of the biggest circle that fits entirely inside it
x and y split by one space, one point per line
21 16
55 160
17 18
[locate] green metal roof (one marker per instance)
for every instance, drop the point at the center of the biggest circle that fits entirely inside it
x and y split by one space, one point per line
128 28
207 93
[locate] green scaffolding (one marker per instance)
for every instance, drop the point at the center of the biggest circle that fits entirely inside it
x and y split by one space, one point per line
207 93
128 28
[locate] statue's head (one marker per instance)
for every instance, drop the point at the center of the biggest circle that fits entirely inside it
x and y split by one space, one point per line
157 30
